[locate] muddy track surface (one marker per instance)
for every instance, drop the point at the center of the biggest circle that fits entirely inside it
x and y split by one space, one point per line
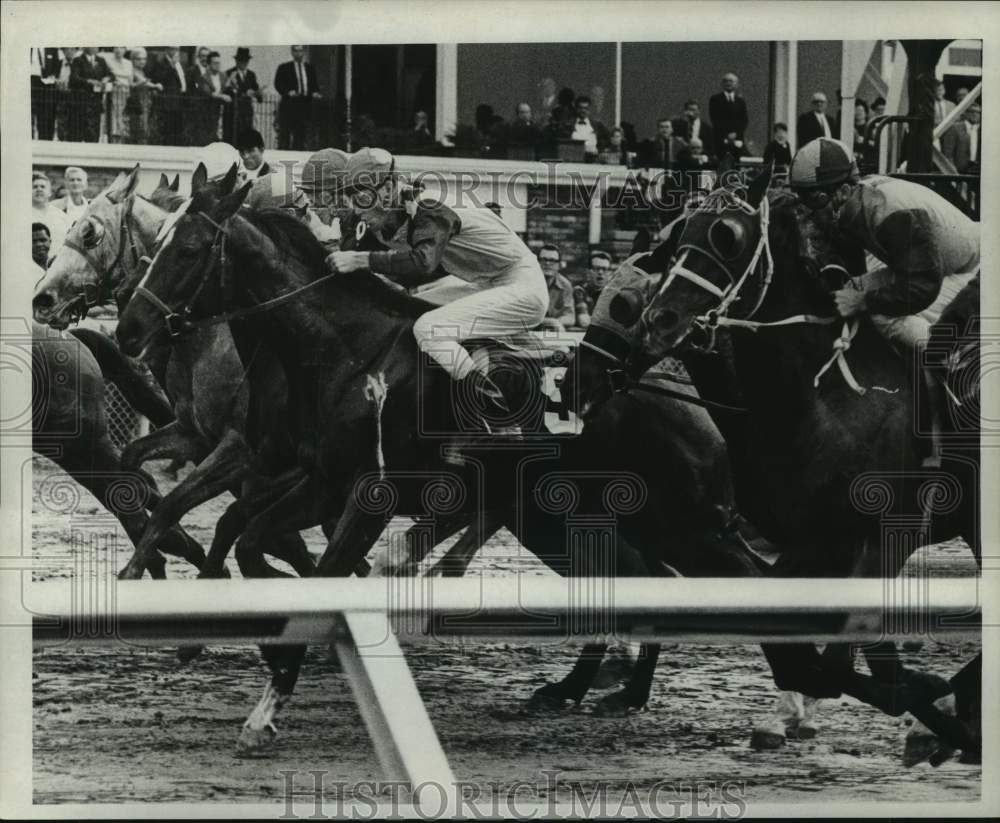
130 724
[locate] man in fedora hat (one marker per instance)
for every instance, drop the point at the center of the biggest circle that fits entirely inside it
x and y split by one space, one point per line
241 85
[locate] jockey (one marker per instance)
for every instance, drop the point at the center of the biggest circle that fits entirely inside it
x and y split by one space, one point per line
218 159
924 249
278 191
507 291
322 180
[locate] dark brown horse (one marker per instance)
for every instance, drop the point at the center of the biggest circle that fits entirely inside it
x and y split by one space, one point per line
373 418
827 457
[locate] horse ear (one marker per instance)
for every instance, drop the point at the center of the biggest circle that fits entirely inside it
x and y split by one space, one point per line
124 186
229 181
175 186
164 182
199 178
230 204
640 243
757 190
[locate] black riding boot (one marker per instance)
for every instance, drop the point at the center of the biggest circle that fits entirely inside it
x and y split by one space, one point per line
480 405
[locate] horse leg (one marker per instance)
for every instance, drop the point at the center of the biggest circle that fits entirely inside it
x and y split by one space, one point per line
173 440
224 466
635 695
457 560
574 686
405 560
965 704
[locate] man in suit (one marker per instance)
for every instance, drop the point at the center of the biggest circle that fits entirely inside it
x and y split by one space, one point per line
942 108
815 123
691 126
962 143
89 79
209 89
663 151
242 86
296 82
170 105
728 112
593 133
46 65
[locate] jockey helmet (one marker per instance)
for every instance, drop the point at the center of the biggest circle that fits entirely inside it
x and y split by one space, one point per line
218 159
369 168
823 163
325 170
275 191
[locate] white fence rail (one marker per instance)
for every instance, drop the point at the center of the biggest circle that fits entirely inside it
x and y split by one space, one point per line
361 619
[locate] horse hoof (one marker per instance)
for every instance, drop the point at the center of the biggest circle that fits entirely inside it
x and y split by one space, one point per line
130 573
185 654
546 700
806 731
767 738
919 747
615 705
254 742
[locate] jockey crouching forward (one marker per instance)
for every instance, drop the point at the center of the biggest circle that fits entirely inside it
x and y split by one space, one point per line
927 249
508 291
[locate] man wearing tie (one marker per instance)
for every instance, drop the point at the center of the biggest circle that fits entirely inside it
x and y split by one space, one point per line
728 112
46 65
815 123
942 108
89 79
663 151
295 81
962 143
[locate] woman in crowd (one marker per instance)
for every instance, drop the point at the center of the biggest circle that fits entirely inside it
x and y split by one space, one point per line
860 125
140 99
121 72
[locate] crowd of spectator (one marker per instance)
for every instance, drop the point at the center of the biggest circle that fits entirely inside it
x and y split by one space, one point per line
125 95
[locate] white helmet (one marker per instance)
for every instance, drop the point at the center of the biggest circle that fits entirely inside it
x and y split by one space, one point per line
218 159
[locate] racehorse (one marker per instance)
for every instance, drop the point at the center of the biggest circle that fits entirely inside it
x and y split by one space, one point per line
372 416
828 447
69 426
216 403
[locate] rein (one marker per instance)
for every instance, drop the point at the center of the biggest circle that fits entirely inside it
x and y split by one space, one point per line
178 322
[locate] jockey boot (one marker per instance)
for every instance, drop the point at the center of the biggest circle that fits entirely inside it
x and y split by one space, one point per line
480 404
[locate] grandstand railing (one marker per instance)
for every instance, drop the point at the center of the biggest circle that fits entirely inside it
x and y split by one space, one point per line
362 618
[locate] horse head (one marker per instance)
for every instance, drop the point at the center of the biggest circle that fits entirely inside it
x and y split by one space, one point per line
723 267
178 284
611 348
89 266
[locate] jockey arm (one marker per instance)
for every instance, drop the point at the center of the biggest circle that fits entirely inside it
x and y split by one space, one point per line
917 265
431 229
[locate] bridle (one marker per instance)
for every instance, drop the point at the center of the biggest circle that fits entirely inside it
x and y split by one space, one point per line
97 294
710 321
178 322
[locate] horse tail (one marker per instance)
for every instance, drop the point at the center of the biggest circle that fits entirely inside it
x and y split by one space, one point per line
129 380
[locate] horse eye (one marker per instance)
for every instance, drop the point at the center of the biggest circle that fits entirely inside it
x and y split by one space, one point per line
93 233
727 238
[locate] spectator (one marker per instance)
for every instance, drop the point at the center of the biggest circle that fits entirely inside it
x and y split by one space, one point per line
878 107
616 152
586 296
89 79
561 307
861 154
42 210
46 65
523 132
592 133
565 106
169 108
200 67
41 242
960 94
547 96
693 158
728 112
421 135
662 151
241 85
815 123
942 106
296 82
778 152
75 201
250 145
691 125
121 72
211 90
140 99
962 143
733 150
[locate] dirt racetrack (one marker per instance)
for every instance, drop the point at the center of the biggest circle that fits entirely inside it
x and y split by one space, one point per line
130 725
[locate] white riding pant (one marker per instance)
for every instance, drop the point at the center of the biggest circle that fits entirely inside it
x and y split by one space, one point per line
513 303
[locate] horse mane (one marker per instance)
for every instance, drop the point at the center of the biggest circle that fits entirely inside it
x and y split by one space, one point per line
294 239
